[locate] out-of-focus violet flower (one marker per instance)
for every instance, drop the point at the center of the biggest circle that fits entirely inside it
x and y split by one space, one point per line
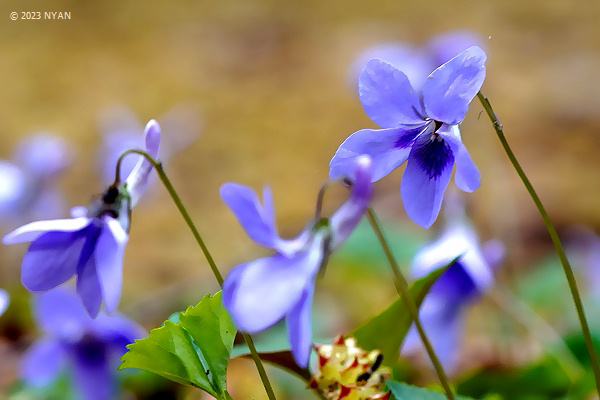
262 292
88 348
4 301
583 247
122 130
443 309
417 62
28 183
420 127
91 244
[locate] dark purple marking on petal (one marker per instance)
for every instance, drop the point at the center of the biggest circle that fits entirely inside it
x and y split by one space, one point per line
92 371
433 155
455 285
408 137
90 351
91 234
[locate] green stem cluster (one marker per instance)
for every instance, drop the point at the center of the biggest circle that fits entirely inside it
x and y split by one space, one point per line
402 288
169 186
553 235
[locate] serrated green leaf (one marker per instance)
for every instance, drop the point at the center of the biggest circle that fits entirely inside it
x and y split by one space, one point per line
214 340
168 352
402 391
376 333
194 351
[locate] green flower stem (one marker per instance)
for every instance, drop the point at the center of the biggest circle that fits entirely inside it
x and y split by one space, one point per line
552 231
402 288
165 180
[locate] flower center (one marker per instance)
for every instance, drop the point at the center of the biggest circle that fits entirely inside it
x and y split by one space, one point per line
115 203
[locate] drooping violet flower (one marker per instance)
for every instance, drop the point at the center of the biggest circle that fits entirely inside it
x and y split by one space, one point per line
28 183
421 127
122 130
91 244
443 310
414 61
89 349
262 292
4 301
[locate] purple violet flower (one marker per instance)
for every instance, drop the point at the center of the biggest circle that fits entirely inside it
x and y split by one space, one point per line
421 127
443 309
4 301
91 244
89 348
27 184
262 292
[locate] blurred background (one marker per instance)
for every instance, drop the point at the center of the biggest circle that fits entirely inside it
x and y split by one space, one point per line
261 92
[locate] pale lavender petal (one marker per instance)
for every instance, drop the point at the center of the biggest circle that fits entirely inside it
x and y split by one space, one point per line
88 287
48 204
299 326
345 219
4 301
51 260
181 125
122 131
467 176
387 96
12 188
60 313
117 331
29 232
44 155
458 239
494 252
450 88
388 149
425 179
93 375
260 293
42 362
257 221
79 212
448 45
109 254
138 178
413 63
443 326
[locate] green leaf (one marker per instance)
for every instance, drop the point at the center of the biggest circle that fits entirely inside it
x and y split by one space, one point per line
386 331
543 380
194 351
403 391
214 340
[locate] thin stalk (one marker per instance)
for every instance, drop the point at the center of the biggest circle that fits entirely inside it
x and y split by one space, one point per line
402 288
165 180
553 235
539 329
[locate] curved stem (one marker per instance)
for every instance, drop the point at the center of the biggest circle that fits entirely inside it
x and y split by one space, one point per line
167 183
402 288
553 234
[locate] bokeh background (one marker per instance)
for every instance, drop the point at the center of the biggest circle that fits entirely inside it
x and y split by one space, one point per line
271 95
